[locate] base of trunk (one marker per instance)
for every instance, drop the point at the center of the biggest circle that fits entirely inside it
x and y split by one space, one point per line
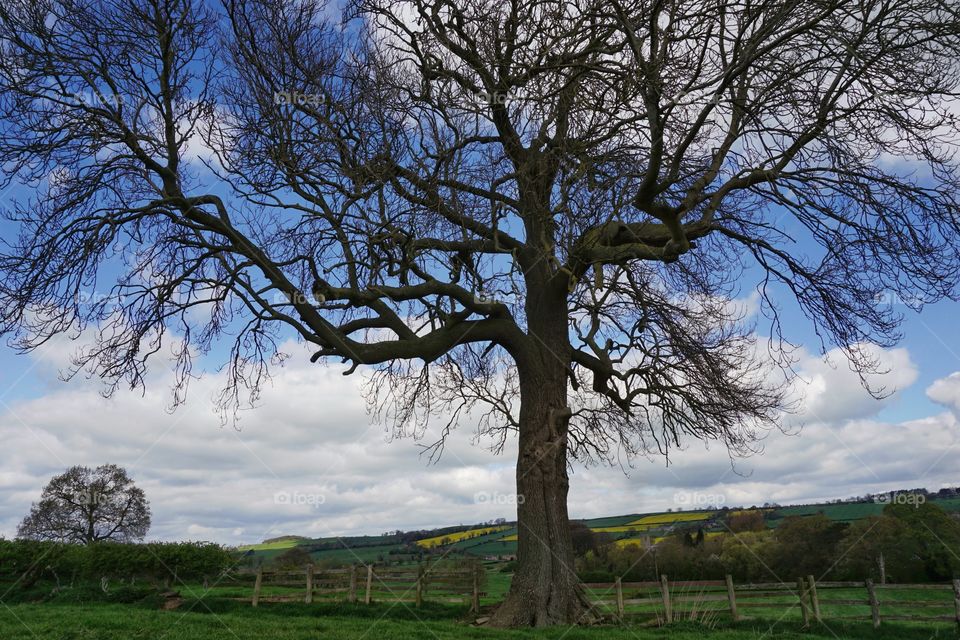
544 608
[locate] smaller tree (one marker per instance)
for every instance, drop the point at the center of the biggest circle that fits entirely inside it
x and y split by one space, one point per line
85 505
582 538
936 533
747 521
882 548
294 558
807 545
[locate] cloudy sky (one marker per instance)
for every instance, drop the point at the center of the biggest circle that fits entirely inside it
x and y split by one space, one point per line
309 460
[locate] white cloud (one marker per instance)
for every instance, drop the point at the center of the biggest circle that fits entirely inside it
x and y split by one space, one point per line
312 443
946 392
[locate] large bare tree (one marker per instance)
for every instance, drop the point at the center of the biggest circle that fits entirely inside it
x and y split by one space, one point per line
534 211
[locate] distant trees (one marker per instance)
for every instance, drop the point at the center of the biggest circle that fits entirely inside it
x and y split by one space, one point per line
806 545
583 538
936 534
293 558
746 521
85 505
881 548
908 543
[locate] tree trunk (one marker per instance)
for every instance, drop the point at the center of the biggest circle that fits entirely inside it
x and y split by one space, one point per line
545 589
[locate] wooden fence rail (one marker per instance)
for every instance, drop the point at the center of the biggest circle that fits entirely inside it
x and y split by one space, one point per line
391 584
667 600
670 600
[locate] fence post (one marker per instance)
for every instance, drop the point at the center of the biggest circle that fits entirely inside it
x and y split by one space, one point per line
665 591
619 586
419 585
874 603
309 597
956 599
366 598
814 599
256 587
352 594
732 597
475 601
801 594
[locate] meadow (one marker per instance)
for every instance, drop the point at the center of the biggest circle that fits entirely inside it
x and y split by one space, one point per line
218 619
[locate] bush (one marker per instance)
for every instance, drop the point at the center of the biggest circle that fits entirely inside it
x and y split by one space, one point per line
158 561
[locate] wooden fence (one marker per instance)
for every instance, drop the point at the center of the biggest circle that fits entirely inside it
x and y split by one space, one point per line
369 583
674 600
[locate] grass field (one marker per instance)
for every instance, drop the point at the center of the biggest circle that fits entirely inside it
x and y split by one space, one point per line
223 620
841 512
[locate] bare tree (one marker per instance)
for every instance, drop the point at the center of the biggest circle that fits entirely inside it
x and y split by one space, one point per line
538 212
85 505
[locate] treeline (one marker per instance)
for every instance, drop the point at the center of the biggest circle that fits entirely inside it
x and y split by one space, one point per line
27 561
907 543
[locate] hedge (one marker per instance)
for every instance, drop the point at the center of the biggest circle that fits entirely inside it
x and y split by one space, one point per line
29 560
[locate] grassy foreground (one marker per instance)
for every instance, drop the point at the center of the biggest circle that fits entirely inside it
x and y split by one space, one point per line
224 620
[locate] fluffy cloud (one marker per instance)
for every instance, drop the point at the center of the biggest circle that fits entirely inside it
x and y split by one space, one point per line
946 392
309 460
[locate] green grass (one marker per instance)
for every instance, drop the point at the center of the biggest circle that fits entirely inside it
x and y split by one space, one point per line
124 613
269 546
844 512
219 620
613 521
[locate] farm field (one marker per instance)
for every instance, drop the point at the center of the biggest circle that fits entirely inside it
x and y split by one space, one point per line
223 620
842 512
460 536
501 540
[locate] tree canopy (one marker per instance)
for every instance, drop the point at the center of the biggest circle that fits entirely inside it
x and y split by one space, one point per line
85 505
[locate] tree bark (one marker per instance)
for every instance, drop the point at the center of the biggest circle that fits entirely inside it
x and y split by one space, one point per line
545 589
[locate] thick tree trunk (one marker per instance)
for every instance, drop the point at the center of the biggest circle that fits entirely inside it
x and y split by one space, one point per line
545 589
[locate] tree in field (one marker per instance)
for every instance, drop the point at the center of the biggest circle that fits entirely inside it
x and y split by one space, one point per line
807 545
292 559
84 505
882 548
746 521
538 212
936 535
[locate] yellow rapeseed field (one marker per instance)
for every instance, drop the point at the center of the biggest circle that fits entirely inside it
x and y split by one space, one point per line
670 518
622 528
450 538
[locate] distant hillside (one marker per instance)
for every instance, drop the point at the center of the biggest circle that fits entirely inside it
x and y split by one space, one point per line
285 539
498 539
